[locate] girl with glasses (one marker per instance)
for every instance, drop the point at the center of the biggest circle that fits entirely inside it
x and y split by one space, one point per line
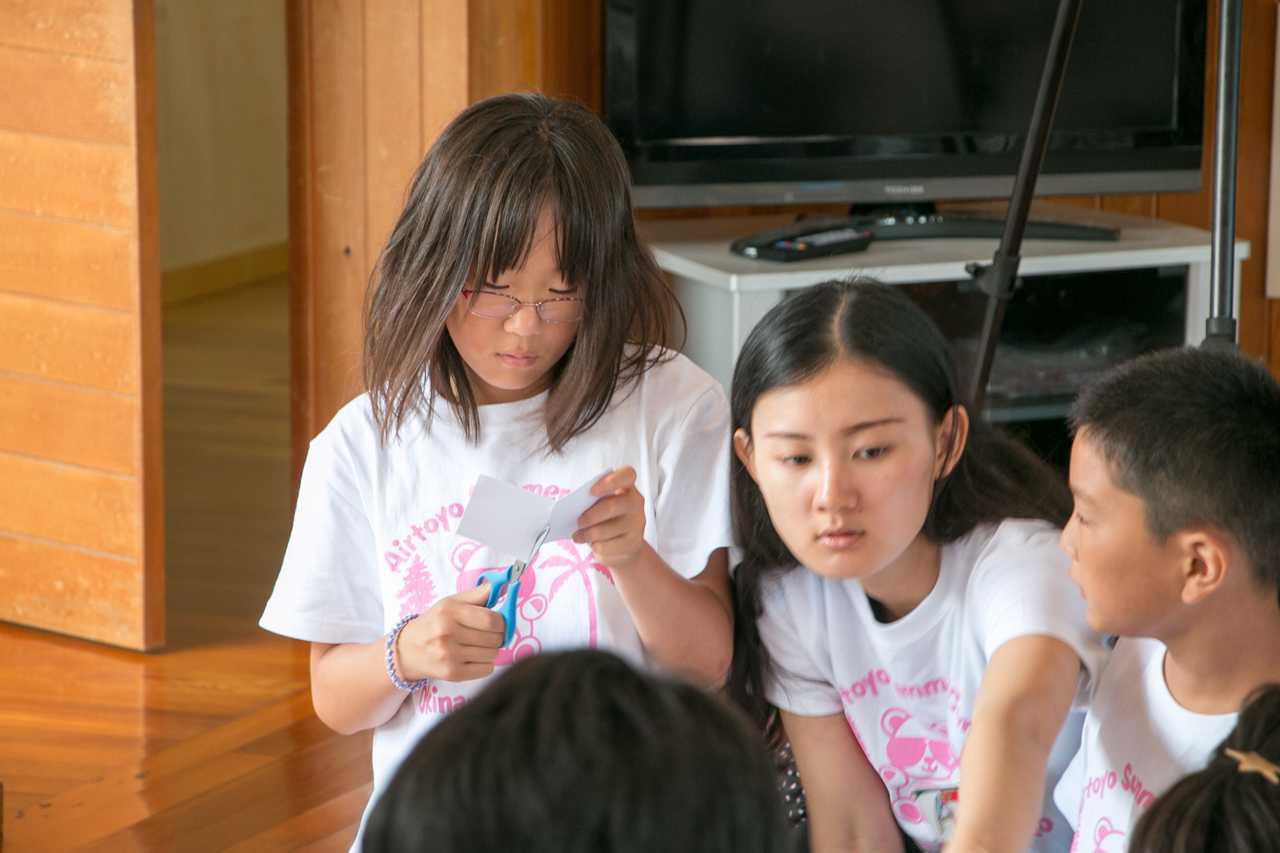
515 329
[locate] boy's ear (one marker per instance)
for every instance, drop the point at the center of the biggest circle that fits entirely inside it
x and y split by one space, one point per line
743 450
1205 557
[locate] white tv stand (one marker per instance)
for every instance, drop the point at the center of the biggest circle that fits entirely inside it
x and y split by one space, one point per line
724 295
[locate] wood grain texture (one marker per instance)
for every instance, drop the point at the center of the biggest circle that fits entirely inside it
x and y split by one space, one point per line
100 28
210 743
226 421
68 179
338 264
64 423
150 439
445 60
76 96
69 343
67 261
199 748
72 506
393 120
573 49
505 46
299 57
47 586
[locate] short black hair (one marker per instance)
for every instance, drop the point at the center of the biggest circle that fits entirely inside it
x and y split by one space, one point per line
1196 435
577 751
1221 809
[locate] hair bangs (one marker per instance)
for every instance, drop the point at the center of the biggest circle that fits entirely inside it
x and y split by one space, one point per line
472 214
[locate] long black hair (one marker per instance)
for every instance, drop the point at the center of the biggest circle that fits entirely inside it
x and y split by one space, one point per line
993 479
1226 807
576 752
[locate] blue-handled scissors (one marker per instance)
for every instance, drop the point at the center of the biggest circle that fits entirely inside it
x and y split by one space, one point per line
510 577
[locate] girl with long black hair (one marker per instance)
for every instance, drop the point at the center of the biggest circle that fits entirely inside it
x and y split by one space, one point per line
902 601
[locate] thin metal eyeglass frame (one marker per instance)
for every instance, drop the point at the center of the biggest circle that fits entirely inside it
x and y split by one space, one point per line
517 305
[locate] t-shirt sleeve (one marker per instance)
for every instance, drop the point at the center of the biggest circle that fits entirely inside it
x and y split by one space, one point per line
328 589
798 682
1019 587
691 507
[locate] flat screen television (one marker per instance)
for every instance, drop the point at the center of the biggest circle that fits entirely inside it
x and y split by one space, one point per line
728 102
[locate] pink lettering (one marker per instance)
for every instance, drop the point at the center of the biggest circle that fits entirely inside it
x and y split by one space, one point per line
533 487
444 518
393 559
432 525
550 492
430 702
417 531
455 510
1095 786
865 685
1131 783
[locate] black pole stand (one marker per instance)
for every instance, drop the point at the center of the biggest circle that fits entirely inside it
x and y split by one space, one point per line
997 279
1220 328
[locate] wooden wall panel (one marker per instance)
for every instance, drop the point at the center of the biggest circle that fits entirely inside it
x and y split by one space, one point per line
68 261
73 96
393 109
71 506
340 262
81 511
101 28
444 65
68 178
50 586
69 343
69 424
505 38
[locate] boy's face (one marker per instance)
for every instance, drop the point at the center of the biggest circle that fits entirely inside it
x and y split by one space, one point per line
1131 582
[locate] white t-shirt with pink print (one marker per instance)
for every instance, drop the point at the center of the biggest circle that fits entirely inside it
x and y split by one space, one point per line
1137 742
374 535
907 687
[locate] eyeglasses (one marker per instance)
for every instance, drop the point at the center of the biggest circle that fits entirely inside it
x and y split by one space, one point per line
499 306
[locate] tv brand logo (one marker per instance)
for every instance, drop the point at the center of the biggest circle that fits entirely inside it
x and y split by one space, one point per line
903 189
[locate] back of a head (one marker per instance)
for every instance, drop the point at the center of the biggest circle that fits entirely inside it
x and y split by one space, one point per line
576 751
1229 807
1196 435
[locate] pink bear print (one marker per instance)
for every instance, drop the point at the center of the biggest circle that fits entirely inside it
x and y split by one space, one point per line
532 605
1106 838
917 753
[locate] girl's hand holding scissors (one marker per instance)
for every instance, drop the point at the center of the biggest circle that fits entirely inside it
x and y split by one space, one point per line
457 639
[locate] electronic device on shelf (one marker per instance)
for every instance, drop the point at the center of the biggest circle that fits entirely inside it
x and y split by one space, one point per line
722 102
906 224
815 237
822 236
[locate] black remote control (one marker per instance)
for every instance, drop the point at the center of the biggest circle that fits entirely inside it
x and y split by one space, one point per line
815 237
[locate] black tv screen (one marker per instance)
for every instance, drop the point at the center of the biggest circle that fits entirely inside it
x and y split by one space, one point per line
758 101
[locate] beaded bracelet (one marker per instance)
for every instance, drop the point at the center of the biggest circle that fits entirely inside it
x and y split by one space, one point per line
391 661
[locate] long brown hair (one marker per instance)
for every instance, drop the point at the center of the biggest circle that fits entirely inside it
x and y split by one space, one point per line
472 213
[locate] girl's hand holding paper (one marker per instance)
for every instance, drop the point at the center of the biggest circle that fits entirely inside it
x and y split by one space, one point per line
614 525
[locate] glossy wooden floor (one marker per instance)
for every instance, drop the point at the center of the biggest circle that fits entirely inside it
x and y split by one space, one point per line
210 745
